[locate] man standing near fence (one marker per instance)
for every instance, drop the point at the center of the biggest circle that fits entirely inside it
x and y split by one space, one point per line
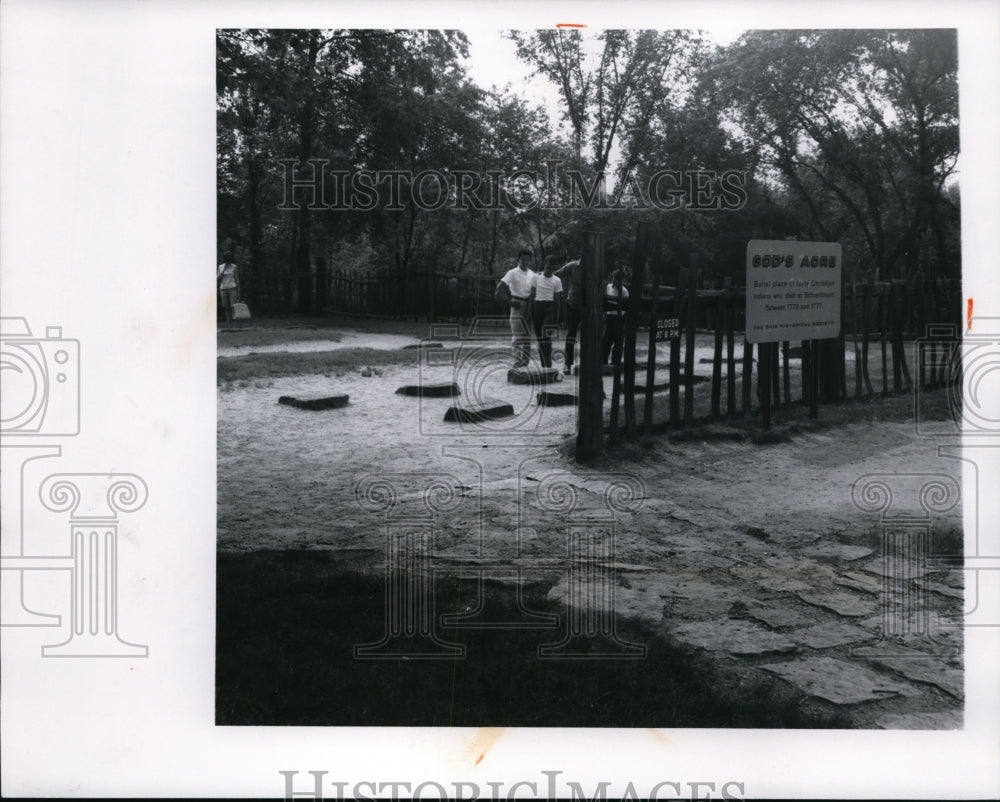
516 289
547 288
615 292
572 279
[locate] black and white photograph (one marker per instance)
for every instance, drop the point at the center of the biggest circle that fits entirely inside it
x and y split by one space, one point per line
606 397
499 400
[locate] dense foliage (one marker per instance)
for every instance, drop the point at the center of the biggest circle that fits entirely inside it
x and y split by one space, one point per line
848 136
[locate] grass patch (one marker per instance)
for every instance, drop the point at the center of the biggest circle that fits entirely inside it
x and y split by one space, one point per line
287 624
251 337
283 363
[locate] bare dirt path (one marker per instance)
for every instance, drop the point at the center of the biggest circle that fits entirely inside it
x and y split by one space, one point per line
756 553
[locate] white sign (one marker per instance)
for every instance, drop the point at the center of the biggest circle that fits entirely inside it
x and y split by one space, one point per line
793 290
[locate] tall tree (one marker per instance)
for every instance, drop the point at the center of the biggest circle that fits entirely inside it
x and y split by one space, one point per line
864 119
618 79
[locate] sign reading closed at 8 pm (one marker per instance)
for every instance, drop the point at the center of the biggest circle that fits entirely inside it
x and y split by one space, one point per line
793 290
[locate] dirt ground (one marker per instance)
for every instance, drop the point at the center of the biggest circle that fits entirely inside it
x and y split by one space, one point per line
759 554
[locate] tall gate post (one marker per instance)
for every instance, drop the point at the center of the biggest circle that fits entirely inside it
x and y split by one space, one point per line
590 420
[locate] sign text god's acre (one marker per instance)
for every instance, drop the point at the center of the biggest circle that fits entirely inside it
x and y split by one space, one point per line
793 290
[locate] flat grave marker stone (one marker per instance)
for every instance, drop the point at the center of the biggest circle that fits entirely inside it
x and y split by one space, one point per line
328 402
488 409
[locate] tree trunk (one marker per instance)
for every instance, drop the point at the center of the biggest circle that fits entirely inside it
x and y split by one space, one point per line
303 213
590 420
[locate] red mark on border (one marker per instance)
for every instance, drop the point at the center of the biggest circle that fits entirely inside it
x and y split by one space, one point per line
968 316
570 25
480 758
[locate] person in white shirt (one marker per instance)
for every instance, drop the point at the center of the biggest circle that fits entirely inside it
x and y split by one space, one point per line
228 279
547 289
516 289
615 293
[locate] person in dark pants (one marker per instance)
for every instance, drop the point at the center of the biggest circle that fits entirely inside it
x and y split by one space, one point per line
572 279
546 289
615 294
515 289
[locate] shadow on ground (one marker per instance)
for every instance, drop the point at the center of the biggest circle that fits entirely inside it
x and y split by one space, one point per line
287 624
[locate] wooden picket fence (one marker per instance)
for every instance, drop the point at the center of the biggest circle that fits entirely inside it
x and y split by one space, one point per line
884 325
429 294
900 333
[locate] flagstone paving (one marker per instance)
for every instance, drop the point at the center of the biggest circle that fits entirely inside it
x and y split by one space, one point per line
778 616
837 551
919 667
858 580
840 602
895 569
834 633
735 637
839 681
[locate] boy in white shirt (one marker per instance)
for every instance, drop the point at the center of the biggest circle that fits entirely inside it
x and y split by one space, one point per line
516 289
546 290
615 292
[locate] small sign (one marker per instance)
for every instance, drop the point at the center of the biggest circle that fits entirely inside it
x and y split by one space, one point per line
793 290
668 329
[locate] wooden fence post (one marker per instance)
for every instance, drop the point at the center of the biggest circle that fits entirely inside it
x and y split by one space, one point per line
675 360
616 361
775 374
692 320
635 306
747 376
828 373
854 333
885 296
866 323
806 368
590 420
906 302
647 411
895 335
717 358
767 375
842 364
787 373
814 377
730 318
